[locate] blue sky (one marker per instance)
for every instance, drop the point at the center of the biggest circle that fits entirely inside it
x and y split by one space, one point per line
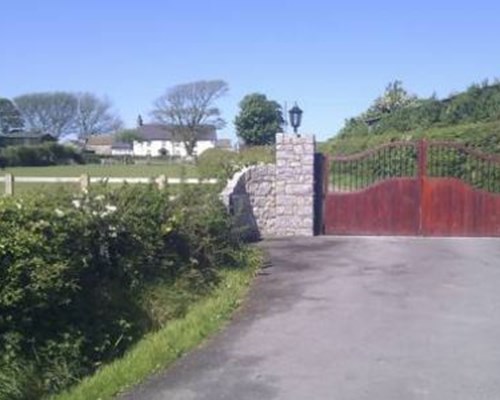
333 58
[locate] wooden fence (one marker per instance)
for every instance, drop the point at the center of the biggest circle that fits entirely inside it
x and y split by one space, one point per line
84 181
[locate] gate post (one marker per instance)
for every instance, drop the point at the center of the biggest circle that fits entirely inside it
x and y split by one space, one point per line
9 184
294 185
320 180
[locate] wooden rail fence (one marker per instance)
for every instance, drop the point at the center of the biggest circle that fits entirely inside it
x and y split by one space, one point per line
85 181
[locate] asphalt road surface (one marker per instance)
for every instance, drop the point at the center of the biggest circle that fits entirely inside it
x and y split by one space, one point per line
354 319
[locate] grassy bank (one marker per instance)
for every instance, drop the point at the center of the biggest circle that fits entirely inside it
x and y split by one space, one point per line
156 351
484 136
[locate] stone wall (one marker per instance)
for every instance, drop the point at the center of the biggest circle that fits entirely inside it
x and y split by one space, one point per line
276 200
250 197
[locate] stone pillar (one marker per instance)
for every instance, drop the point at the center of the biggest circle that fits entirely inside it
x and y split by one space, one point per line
294 188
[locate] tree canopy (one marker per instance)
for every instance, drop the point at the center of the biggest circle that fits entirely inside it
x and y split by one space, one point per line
94 116
188 107
64 113
10 117
259 119
394 98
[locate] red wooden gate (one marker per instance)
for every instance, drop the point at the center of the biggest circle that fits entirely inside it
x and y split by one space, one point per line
413 188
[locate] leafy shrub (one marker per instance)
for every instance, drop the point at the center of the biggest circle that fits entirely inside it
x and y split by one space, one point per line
80 277
89 157
483 136
39 155
223 164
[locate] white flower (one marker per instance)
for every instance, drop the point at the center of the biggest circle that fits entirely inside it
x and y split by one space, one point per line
110 208
59 212
19 206
77 203
112 232
100 197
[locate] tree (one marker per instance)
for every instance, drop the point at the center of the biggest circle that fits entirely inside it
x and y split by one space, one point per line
394 98
94 116
10 117
50 112
128 136
190 107
259 119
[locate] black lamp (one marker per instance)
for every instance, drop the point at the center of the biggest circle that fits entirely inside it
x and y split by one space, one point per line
295 117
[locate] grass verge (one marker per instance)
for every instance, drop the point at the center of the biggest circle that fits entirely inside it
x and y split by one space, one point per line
156 351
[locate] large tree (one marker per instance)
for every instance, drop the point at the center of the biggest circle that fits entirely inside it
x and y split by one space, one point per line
50 112
95 116
188 108
64 113
10 117
259 119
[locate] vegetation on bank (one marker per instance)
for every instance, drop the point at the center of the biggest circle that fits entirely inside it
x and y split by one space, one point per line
471 117
483 136
39 155
84 277
157 350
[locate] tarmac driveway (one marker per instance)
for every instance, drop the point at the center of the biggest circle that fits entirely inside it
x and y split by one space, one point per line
353 319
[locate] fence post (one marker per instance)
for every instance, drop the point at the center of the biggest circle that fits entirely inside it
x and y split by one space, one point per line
9 184
84 182
161 181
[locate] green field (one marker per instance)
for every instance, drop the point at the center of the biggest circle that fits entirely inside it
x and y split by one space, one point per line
169 170
142 170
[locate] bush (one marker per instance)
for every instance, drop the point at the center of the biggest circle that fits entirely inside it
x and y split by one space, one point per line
222 164
39 155
483 136
79 276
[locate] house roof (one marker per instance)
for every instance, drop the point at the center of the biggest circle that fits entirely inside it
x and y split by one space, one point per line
166 132
100 140
121 146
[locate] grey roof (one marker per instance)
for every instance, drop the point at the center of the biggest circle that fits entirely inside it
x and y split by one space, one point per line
100 140
121 146
165 132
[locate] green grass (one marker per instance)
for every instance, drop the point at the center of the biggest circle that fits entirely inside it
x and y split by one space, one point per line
141 170
156 351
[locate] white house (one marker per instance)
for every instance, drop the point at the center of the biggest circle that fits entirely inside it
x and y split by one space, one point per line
157 140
